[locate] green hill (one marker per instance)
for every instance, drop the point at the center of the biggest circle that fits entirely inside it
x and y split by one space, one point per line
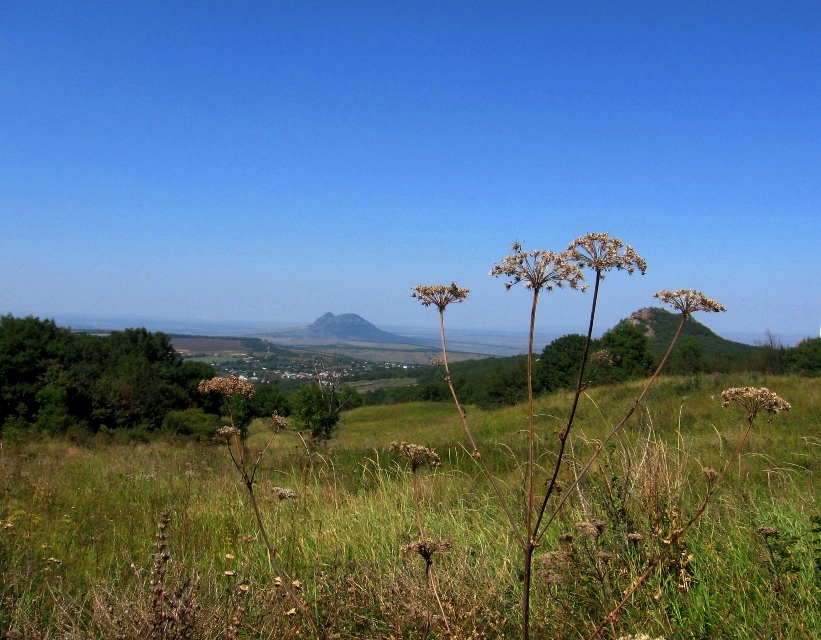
659 325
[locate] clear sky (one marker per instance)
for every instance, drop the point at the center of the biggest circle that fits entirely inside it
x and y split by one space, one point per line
271 161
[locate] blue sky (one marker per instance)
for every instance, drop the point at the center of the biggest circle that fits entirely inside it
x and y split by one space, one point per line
271 161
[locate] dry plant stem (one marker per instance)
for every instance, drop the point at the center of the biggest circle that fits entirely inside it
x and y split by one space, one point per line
531 456
429 570
248 480
676 535
580 387
475 453
416 506
566 494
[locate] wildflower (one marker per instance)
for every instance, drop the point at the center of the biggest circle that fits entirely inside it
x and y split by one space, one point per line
602 356
687 301
559 560
635 538
711 474
416 454
279 422
284 494
754 400
600 252
227 432
551 578
227 386
426 548
439 295
768 531
538 269
590 529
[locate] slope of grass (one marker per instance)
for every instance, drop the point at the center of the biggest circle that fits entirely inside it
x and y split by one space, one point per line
78 526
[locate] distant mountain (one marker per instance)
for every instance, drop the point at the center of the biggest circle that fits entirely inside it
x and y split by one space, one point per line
659 325
348 327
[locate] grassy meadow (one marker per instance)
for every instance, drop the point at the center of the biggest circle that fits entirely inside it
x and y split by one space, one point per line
87 552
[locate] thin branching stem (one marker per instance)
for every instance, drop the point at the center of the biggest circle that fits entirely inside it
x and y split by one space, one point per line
675 535
581 385
531 456
475 454
248 480
566 494
430 573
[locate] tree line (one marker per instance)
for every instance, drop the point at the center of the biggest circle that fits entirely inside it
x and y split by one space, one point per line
62 382
623 353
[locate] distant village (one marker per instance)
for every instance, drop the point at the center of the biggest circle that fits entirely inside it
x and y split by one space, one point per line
265 370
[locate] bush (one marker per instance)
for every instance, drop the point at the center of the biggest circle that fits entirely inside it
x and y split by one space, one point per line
192 422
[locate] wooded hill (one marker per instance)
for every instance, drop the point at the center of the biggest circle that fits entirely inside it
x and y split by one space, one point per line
660 325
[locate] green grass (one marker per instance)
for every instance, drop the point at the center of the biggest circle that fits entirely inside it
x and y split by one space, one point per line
78 525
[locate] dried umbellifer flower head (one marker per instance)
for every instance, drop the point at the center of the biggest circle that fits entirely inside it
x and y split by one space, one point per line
538 269
688 301
284 494
602 357
279 422
416 454
228 386
590 529
755 400
768 531
227 432
426 548
439 295
600 252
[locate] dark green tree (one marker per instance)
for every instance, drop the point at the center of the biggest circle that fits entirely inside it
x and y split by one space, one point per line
629 351
558 366
804 359
269 400
316 411
688 358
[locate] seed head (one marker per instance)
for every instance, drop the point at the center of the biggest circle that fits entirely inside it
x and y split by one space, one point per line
560 560
426 548
710 474
602 357
284 494
768 531
439 295
600 252
591 529
279 422
687 301
228 386
538 269
227 432
416 454
755 400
